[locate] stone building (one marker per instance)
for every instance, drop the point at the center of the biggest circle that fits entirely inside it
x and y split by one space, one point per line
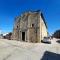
56 34
8 36
30 27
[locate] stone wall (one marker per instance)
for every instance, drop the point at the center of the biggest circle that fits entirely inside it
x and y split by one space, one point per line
32 24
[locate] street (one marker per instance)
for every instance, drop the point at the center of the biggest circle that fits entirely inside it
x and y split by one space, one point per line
16 50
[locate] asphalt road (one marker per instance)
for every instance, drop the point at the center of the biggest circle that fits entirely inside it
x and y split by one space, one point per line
16 50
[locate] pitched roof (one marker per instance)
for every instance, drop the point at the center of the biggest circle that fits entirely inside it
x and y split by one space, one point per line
39 11
44 20
36 11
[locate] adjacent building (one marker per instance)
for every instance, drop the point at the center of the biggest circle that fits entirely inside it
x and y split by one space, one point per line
8 36
30 27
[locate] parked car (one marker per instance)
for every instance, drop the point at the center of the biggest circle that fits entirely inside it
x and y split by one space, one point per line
46 40
58 41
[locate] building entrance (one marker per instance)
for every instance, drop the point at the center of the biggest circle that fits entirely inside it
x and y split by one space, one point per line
23 36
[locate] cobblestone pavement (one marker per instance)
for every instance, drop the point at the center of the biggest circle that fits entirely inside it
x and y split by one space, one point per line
16 50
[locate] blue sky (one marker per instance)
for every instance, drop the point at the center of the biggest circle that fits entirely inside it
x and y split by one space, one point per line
11 8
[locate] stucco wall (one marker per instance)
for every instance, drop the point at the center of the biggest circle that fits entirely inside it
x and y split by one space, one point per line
43 29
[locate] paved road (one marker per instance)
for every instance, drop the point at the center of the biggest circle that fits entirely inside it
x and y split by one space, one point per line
16 50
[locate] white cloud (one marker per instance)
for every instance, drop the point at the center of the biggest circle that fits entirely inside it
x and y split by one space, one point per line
5 34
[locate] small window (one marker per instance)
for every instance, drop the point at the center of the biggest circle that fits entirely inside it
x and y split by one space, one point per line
32 25
17 26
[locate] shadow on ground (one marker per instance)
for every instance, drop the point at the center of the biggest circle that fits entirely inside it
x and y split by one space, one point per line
50 56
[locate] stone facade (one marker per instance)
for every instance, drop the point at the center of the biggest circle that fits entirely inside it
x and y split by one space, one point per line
30 27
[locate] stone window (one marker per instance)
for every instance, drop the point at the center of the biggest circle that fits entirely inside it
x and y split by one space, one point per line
32 25
17 26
